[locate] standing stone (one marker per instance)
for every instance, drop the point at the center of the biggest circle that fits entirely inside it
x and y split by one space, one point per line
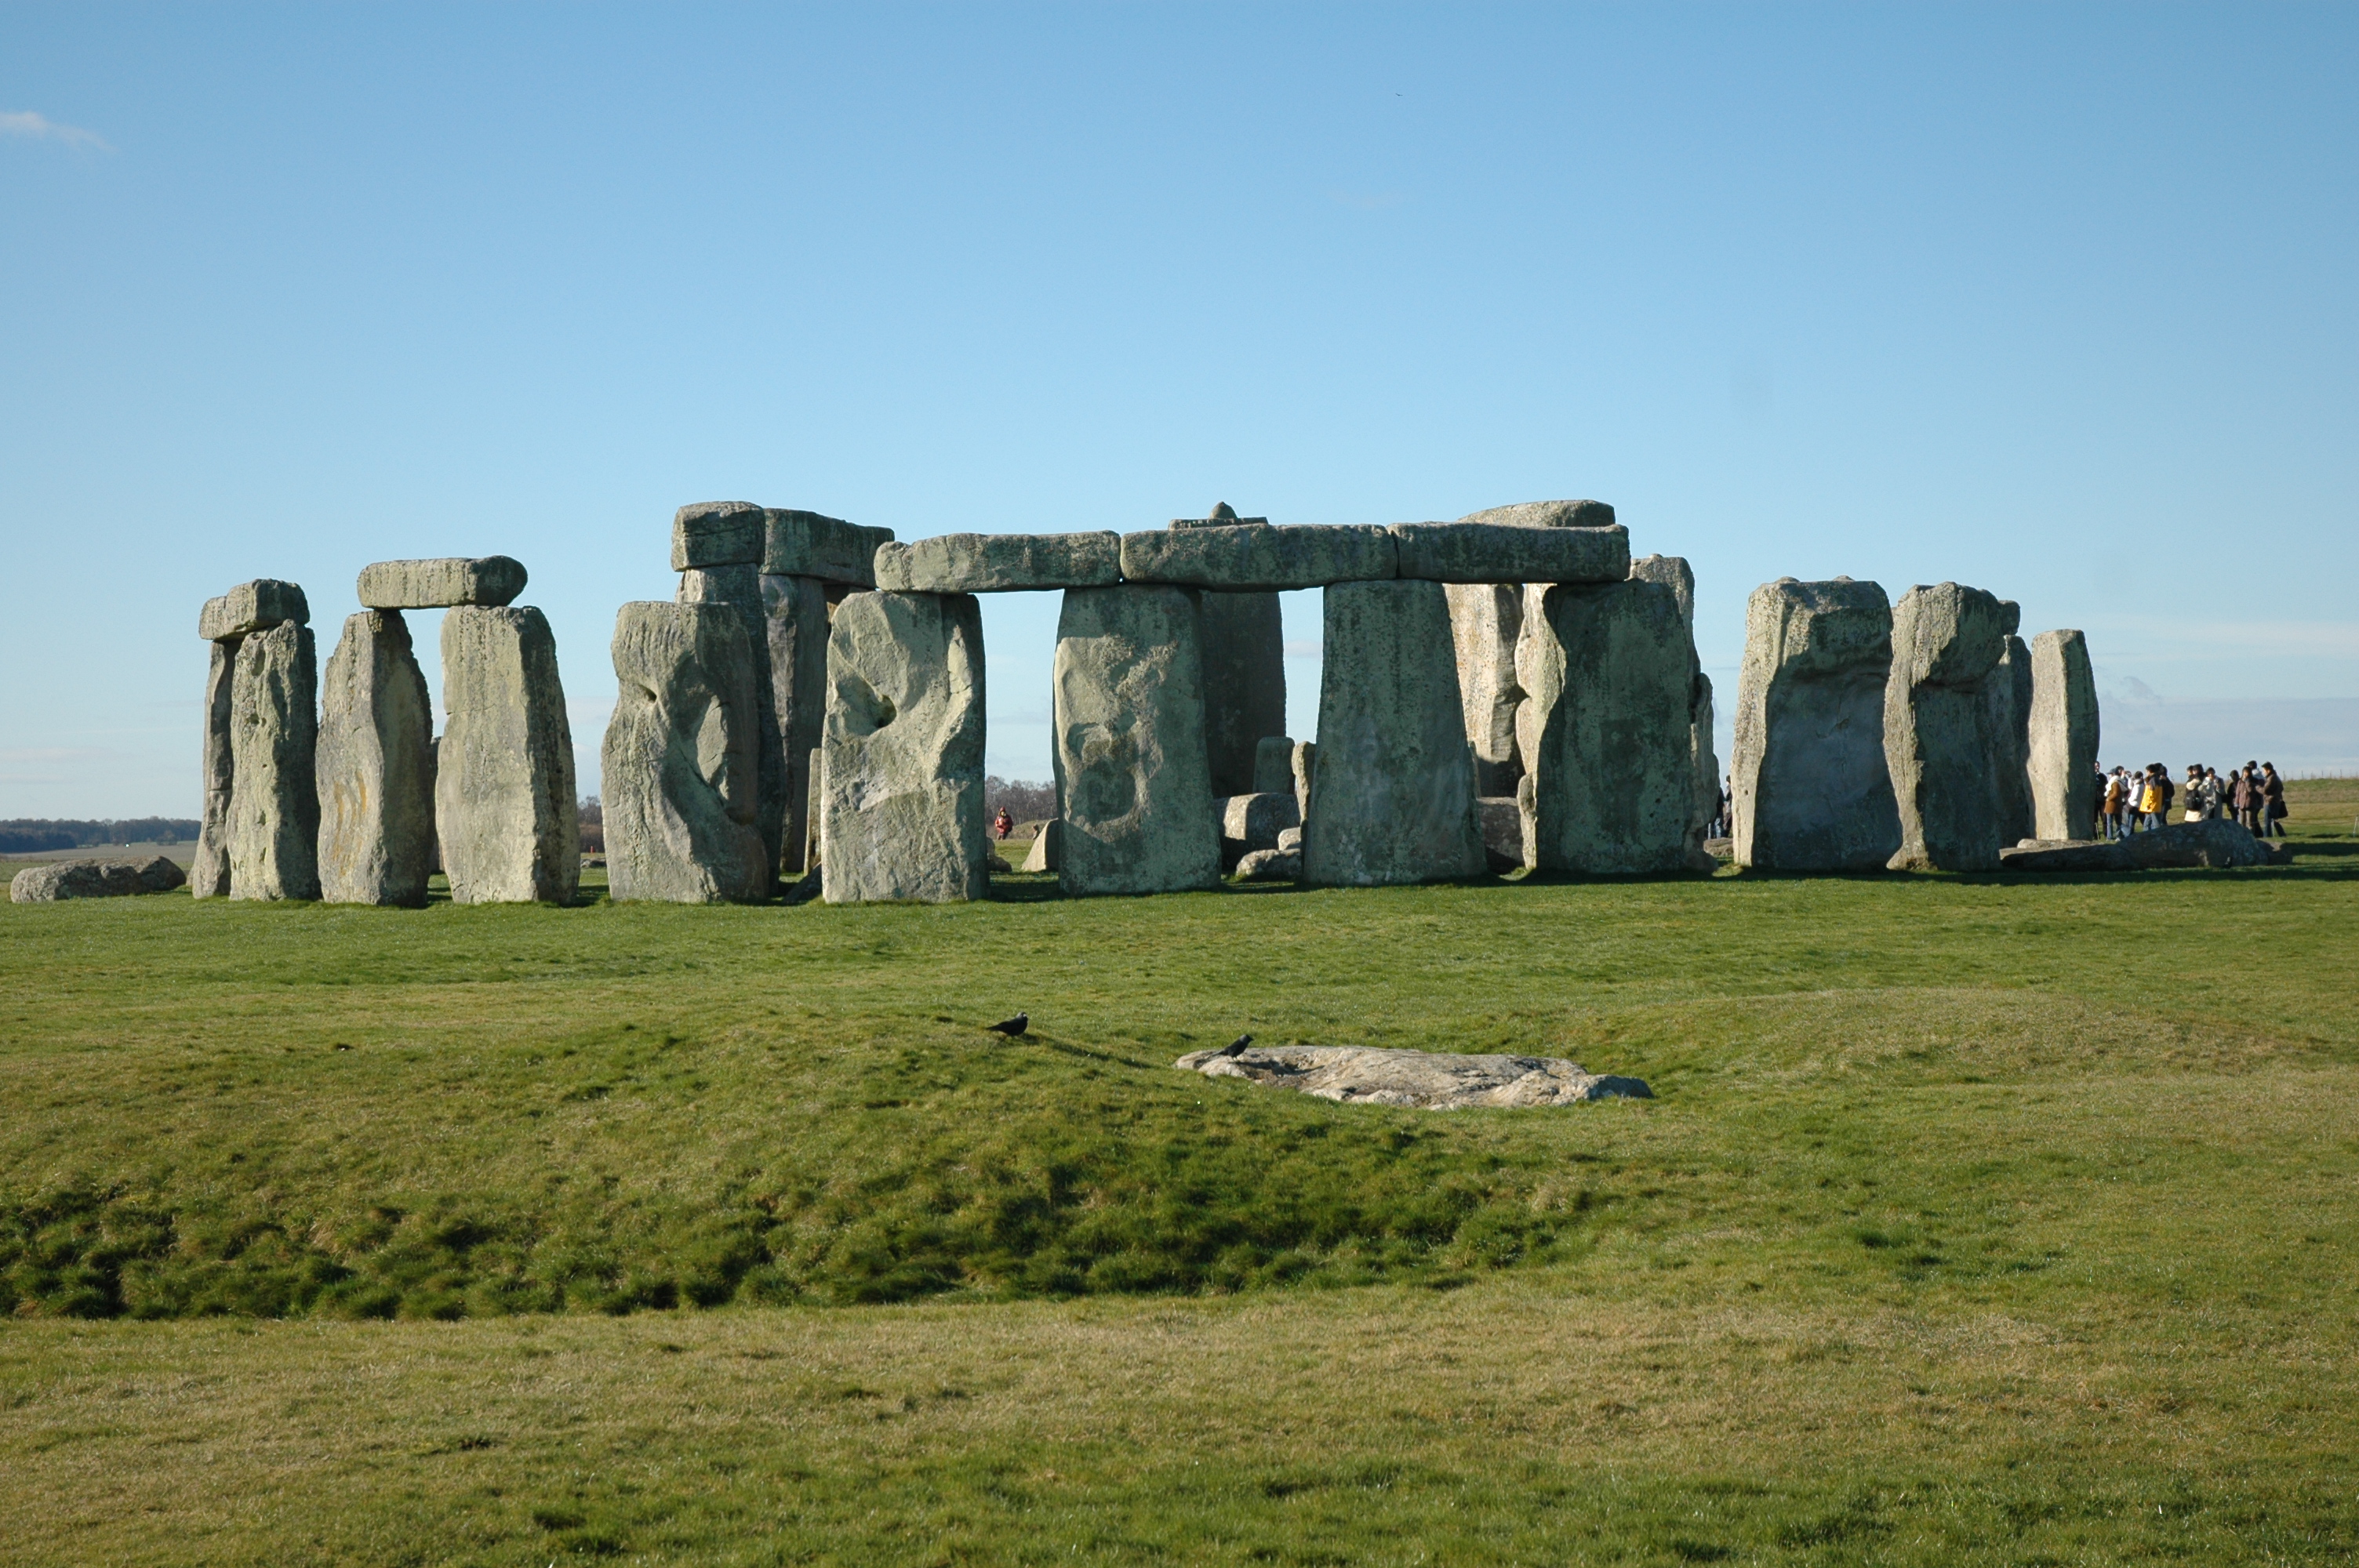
1674 573
1486 619
1946 643
504 802
1305 768
1809 787
2007 697
375 767
740 587
1392 800
683 758
1043 856
795 612
1274 765
1243 639
901 799
1612 762
273 814
1133 789
2062 741
209 872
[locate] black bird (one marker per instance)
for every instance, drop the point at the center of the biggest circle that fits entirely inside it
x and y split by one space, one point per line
1011 1027
1236 1047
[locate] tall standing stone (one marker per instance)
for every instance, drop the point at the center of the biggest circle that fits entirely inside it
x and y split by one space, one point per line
1612 762
1392 799
1242 642
274 817
1274 765
901 798
2007 697
2062 742
1810 790
740 586
1946 643
795 612
375 767
1486 619
683 758
208 871
503 804
1674 573
1134 787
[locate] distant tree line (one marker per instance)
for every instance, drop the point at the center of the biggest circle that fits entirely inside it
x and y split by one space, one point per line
1024 801
32 836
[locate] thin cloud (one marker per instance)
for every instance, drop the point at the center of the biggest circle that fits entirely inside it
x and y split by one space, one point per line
41 128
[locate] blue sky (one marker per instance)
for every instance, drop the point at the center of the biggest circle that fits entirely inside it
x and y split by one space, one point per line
2062 302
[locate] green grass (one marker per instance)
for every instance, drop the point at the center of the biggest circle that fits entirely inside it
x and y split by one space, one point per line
1979 1219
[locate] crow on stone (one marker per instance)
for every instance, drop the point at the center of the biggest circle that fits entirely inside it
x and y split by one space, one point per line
1011 1027
1236 1047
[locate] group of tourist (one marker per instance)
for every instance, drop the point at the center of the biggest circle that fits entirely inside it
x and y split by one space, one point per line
2141 802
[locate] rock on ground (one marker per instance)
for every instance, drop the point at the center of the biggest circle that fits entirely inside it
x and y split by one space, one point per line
1946 642
1392 799
1613 768
1280 865
94 879
1506 552
1043 855
1133 785
1261 557
682 758
1427 1080
2061 740
999 563
503 805
250 607
209 873
1242 646
375 767
2216 842
795 616
1809 785
901 796
439 584
1253 822
741 589
273 814
1484 620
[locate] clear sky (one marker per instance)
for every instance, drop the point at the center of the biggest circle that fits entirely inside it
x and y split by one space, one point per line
2062 302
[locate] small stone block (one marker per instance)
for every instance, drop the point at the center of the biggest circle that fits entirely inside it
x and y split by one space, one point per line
999 563
1254 557
805 544
1547 514
717 533
440 584
250 607
1499 552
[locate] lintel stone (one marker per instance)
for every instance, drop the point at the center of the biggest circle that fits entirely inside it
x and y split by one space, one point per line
441 583
999 563
1501 552
805 544
1254 556
250 607
717 533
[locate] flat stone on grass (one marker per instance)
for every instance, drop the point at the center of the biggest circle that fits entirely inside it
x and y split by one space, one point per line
1424 1080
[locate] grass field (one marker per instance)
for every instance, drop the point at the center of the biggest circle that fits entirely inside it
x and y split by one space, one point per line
2001 1220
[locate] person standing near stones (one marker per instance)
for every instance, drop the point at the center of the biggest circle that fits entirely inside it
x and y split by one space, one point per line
2199 794
1003 824
2249 799
2110 800
2273 806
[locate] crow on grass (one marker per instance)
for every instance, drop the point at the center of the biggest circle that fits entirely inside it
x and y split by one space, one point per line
1011 1027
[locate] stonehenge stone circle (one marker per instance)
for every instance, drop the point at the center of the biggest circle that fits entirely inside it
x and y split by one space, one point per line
1547 514
805 544
1391 798
1274 765
209 873
375 767
250 607
740 588
901 794
440 584
1946 642
1613 763
274 811
505 811
718 533
795 615
2062 739
94 879
999 563
1134 786
2007 708
1810 790
1498 552
1261 556
682 758
1484 620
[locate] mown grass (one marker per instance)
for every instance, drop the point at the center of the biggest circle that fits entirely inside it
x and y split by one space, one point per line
1980 1219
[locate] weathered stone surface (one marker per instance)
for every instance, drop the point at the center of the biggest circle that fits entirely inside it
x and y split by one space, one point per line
94 879
1274 765
718 533
1261 557
682 758
1044 855
438 584
1946 642
250 607
795 615
1506 552
2061 741
209 873
1502 819
2006 711
1611 685
1222 515
503 804
740 587
1674 573
999 563
1252 822
375 767
2216 841
901 796
1547 514
274 810
1484 620
1133 784
1305 768
1707 775
1429 1080
1242 645
1289 840
1809 788
1270 866
805 544
1392 799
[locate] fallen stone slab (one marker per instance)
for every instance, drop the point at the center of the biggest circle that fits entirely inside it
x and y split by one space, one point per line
95 879
1547 514
718 533
1503 552
1269 557
250 607
1425 1080
1271 866
2214 842
807 544
375 767
441 583
999 563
